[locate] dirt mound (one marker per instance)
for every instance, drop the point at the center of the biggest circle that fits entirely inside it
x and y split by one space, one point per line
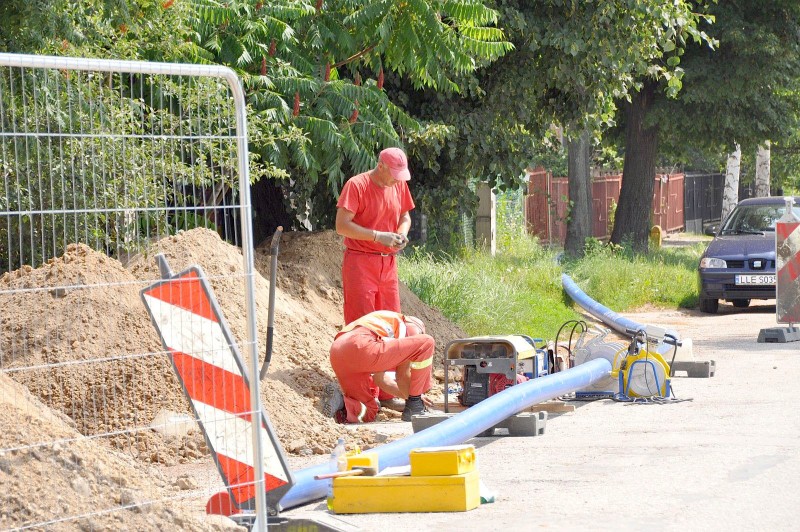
73 477
79 339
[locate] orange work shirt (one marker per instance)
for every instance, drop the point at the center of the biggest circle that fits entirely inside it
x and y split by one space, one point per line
375 207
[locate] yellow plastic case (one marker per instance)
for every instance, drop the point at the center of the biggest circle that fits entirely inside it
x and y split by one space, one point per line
437 461
362 495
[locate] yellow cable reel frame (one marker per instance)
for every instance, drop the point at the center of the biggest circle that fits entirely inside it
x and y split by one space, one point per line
652 362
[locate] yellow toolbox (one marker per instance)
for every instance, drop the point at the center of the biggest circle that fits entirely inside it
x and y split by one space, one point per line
364 494
436 461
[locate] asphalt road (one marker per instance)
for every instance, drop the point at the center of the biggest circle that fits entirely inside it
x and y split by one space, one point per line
729 458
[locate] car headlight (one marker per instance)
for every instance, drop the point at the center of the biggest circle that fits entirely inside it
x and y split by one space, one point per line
712 262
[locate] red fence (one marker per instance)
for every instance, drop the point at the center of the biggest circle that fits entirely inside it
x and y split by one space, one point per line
548 199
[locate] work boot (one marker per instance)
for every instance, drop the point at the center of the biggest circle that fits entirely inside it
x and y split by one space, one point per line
414 407
333 402
395 403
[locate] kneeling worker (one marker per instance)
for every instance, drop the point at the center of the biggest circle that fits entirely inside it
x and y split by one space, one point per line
379 342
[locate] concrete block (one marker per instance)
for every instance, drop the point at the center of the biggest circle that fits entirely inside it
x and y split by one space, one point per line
522 424
698 370
779 335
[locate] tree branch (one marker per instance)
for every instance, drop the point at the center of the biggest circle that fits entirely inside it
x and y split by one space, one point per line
355 56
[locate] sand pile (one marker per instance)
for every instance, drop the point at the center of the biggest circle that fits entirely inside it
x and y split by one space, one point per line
84 307
77 477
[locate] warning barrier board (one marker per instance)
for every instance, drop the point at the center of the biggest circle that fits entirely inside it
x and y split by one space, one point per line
787 267
210 369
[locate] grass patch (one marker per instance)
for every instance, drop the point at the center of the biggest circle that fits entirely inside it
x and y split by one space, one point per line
624 281
516 293
512 293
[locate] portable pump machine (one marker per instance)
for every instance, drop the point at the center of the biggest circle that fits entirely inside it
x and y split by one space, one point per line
638 370
492 363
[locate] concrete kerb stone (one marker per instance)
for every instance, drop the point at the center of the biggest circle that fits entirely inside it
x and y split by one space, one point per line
522 424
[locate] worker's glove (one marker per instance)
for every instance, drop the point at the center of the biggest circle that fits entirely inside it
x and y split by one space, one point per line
389 240
403 243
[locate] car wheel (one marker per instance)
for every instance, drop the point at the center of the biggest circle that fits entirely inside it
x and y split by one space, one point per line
740 303
709 306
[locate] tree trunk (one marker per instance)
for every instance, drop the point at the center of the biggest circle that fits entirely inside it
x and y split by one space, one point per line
634 210
579 222
762 170
730 193
269 210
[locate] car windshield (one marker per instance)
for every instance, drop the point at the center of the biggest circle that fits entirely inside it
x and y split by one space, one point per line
754 219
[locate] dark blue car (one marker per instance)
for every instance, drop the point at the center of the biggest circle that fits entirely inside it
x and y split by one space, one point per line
739 264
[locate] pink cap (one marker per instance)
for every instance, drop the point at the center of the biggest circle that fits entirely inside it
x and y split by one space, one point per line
395 159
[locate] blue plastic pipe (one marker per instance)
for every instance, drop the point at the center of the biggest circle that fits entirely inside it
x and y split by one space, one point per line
459 428
619 323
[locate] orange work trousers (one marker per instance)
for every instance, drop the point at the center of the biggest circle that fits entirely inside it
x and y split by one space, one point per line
357 354
369 282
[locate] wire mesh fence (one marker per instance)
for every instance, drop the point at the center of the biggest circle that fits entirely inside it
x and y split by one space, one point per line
103 165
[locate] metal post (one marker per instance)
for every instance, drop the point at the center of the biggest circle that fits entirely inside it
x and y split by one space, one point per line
247 252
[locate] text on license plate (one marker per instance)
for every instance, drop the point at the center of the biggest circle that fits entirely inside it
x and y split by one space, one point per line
755 279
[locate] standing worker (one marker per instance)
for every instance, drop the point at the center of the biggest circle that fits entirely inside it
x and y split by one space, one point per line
369 347
372 215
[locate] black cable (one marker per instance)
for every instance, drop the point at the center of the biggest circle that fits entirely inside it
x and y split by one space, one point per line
584 328
575 324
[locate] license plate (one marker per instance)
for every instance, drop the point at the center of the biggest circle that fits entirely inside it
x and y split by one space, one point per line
755 279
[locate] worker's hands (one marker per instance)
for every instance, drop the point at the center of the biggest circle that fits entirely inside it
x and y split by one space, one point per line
391 240
403 243
427 402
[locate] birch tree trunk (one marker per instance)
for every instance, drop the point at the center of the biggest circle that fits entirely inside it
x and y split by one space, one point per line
730 193
762 170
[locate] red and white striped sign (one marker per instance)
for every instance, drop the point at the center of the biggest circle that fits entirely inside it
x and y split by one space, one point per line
210 369
787 255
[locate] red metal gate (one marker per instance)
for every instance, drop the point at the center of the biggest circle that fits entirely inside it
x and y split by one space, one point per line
547 204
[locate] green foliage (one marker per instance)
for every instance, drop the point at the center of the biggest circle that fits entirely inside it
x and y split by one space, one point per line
572 63
590 54
595 246
320 72
745 92
313 76
510 222
612 215
785 165
28 24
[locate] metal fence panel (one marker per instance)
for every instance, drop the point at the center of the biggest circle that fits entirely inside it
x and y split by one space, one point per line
702 200
548 204
99 160
668 202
